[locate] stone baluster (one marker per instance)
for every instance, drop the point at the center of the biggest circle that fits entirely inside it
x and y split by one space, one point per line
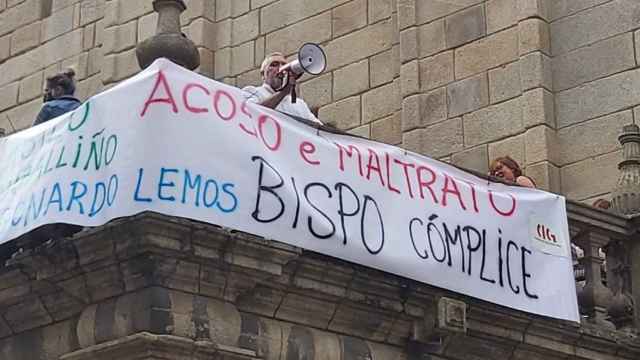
594 297
169 41
620 308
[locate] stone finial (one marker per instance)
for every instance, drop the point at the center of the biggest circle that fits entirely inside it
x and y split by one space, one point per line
626 195
168 42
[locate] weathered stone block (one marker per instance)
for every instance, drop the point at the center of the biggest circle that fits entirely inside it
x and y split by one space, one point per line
95 60
501 14
245 27
467 95
88 39
431 38
436 71
242 58
22 14
206 62
534 36
380 102
605 96
351 79
436 141
22 116
493 123
408 44
287 41
504 82
199 8
252 77
359 44
99 32
239 7
343 114
260 3
409 78
538 108
362 131
9 96
476 159
199 31
223 34
603 58
223 9
30 87
492 51
536 70
406 13
562 8
119 38
592 25
260 52
541 144
317 91
578 179
545 175
120 66
428 10
25 38
58 23
130 10
591 138
381 68
387 130
5 47
380 9
465 26
349 17
91 11
424 109
222 63
286 12
147 26
534 8
512 146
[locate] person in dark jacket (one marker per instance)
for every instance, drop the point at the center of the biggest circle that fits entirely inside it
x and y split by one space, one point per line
58 96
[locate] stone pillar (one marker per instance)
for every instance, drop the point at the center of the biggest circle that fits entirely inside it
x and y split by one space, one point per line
169 42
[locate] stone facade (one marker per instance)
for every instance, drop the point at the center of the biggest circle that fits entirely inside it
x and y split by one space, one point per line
549 82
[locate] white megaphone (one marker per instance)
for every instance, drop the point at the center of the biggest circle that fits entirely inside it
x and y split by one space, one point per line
311 59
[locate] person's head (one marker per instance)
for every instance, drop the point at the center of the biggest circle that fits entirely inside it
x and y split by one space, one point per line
270 70
602 204
59 85
506 168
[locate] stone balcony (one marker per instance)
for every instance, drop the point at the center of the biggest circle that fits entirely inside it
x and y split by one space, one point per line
157 287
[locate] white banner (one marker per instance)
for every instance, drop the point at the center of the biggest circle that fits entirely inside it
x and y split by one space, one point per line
171 141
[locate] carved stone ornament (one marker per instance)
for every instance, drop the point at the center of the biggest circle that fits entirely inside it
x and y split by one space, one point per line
626 195
168 42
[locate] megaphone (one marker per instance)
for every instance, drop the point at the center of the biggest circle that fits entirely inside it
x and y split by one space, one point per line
311 59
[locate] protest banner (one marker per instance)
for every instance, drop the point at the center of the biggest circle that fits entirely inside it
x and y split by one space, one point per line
171 141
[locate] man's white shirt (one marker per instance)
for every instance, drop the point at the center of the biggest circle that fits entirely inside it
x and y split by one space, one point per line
263 92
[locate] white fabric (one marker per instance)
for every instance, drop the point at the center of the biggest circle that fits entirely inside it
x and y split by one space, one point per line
299 108
172 141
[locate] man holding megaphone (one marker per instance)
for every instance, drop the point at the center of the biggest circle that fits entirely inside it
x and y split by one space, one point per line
279 81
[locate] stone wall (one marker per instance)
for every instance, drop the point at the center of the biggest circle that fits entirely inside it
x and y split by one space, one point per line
549 82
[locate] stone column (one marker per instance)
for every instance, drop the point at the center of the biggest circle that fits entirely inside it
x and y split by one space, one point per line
169 42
